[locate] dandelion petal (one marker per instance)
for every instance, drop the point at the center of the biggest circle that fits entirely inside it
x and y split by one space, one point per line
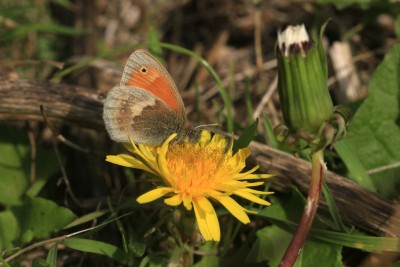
207 219
174 201
252 197
128 161
233 207
154 194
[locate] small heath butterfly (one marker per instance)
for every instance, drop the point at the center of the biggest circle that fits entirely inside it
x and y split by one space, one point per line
146 106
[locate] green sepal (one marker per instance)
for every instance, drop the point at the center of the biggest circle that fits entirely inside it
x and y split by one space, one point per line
320 47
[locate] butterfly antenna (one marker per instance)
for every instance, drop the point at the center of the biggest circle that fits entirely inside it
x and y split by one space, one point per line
206 126
215 128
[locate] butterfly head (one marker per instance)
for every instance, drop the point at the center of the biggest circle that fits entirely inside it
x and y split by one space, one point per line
187 133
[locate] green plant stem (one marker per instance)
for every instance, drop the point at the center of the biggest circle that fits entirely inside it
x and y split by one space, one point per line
175 260
310 209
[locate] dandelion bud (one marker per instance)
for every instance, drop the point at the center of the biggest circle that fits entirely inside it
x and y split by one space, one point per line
302 69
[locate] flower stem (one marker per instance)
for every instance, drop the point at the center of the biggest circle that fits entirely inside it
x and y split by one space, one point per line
310 209
175 260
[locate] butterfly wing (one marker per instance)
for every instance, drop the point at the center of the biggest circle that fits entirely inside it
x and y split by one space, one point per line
136 113
143 71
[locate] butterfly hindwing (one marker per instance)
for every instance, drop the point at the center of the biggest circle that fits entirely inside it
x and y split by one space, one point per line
136 113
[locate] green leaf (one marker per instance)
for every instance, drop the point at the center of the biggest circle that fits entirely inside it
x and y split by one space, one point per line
39 262
98 247
246 137
46 165
209 259
86 218
51 259
270 245
2 261
14 166
153 260
38 218
357 171
281 214
290 208
15 169
313 252
374 132
137 249
273 241
9 230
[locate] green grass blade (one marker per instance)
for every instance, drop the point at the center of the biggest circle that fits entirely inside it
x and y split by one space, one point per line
24 29
98 247
352 240
86 62
197 99
249 103
51 259
4 263
357 171
358 241
232 83
153 45
86 218
221 88
246 137
333 209
269 133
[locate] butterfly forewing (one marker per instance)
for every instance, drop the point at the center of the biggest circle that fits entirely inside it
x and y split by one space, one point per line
142 70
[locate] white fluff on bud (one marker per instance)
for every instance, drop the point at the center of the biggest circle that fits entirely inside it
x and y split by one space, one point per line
293 35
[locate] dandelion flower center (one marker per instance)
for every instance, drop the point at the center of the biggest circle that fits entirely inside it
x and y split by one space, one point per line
197 169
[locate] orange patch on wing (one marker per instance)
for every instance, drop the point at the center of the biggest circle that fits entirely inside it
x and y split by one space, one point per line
154 82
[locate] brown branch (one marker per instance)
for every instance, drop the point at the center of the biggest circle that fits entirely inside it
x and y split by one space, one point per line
20 100
358 206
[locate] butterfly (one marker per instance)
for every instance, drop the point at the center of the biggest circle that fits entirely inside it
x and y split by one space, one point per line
146 106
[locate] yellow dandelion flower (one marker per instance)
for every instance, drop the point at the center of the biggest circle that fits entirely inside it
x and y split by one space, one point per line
194 173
